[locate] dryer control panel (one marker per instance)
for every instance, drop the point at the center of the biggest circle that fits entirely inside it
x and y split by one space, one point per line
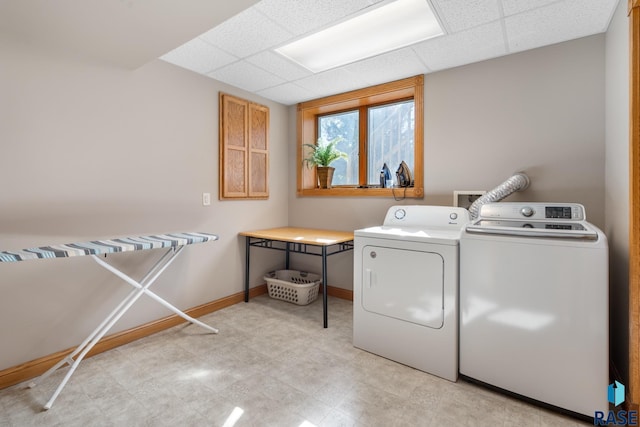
534 211
426 216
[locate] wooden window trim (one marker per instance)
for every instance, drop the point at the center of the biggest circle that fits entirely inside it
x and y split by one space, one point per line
307 133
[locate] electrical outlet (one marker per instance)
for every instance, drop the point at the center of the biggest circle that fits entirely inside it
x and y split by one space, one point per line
206 199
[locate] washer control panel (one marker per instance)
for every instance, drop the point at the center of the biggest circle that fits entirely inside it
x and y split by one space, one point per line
534 211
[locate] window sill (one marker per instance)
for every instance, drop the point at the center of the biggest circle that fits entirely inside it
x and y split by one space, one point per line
397 192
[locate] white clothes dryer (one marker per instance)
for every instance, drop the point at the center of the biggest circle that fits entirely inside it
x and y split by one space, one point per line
406 287
534 304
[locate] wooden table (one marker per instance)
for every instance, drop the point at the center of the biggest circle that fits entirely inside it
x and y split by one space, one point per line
307 241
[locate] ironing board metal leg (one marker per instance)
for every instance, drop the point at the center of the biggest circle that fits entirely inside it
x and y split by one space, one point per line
151 294
141 288
69 359
180 313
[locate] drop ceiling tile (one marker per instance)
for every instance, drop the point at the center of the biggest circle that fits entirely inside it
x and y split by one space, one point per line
458 15
558 22
278 65
332 82
511 7
247 33
476 44
287 94
246 76
238 52
303 16
388 67
199 56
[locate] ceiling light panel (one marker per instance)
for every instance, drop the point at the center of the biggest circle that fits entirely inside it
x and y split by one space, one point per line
392 26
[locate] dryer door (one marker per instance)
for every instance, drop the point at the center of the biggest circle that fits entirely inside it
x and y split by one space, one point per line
404 284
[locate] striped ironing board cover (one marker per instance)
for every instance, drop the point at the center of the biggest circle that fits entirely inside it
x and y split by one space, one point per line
98 247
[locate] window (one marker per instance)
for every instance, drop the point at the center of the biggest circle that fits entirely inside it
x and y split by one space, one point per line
377 125
346 126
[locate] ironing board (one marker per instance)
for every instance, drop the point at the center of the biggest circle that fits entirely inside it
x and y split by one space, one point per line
174 243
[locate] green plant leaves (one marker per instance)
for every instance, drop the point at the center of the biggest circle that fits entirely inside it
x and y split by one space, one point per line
323 153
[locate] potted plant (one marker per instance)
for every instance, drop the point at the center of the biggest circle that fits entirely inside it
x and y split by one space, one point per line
321 155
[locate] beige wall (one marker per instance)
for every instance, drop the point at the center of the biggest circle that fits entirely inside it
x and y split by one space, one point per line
540 111
617 183
90 151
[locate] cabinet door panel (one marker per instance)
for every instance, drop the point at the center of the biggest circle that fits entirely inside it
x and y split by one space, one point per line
243 149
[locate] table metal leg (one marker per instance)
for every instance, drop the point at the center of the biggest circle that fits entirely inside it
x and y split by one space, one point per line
286 257
246 269
324 286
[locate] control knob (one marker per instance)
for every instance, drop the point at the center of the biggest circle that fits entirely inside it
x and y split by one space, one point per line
526 211
400 214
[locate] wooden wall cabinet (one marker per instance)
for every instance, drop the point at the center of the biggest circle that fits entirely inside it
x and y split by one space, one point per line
244 149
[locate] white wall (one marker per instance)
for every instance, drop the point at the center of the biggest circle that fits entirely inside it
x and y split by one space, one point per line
617 183
90 151
540 111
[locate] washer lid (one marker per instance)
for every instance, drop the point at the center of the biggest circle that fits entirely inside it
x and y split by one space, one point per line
442 236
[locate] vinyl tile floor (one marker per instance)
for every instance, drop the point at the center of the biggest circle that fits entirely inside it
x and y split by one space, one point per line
272 364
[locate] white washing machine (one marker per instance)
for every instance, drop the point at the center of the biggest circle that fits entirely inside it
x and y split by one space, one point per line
406 288
534 303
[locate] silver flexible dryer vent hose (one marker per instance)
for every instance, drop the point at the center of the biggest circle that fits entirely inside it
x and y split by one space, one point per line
517 182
